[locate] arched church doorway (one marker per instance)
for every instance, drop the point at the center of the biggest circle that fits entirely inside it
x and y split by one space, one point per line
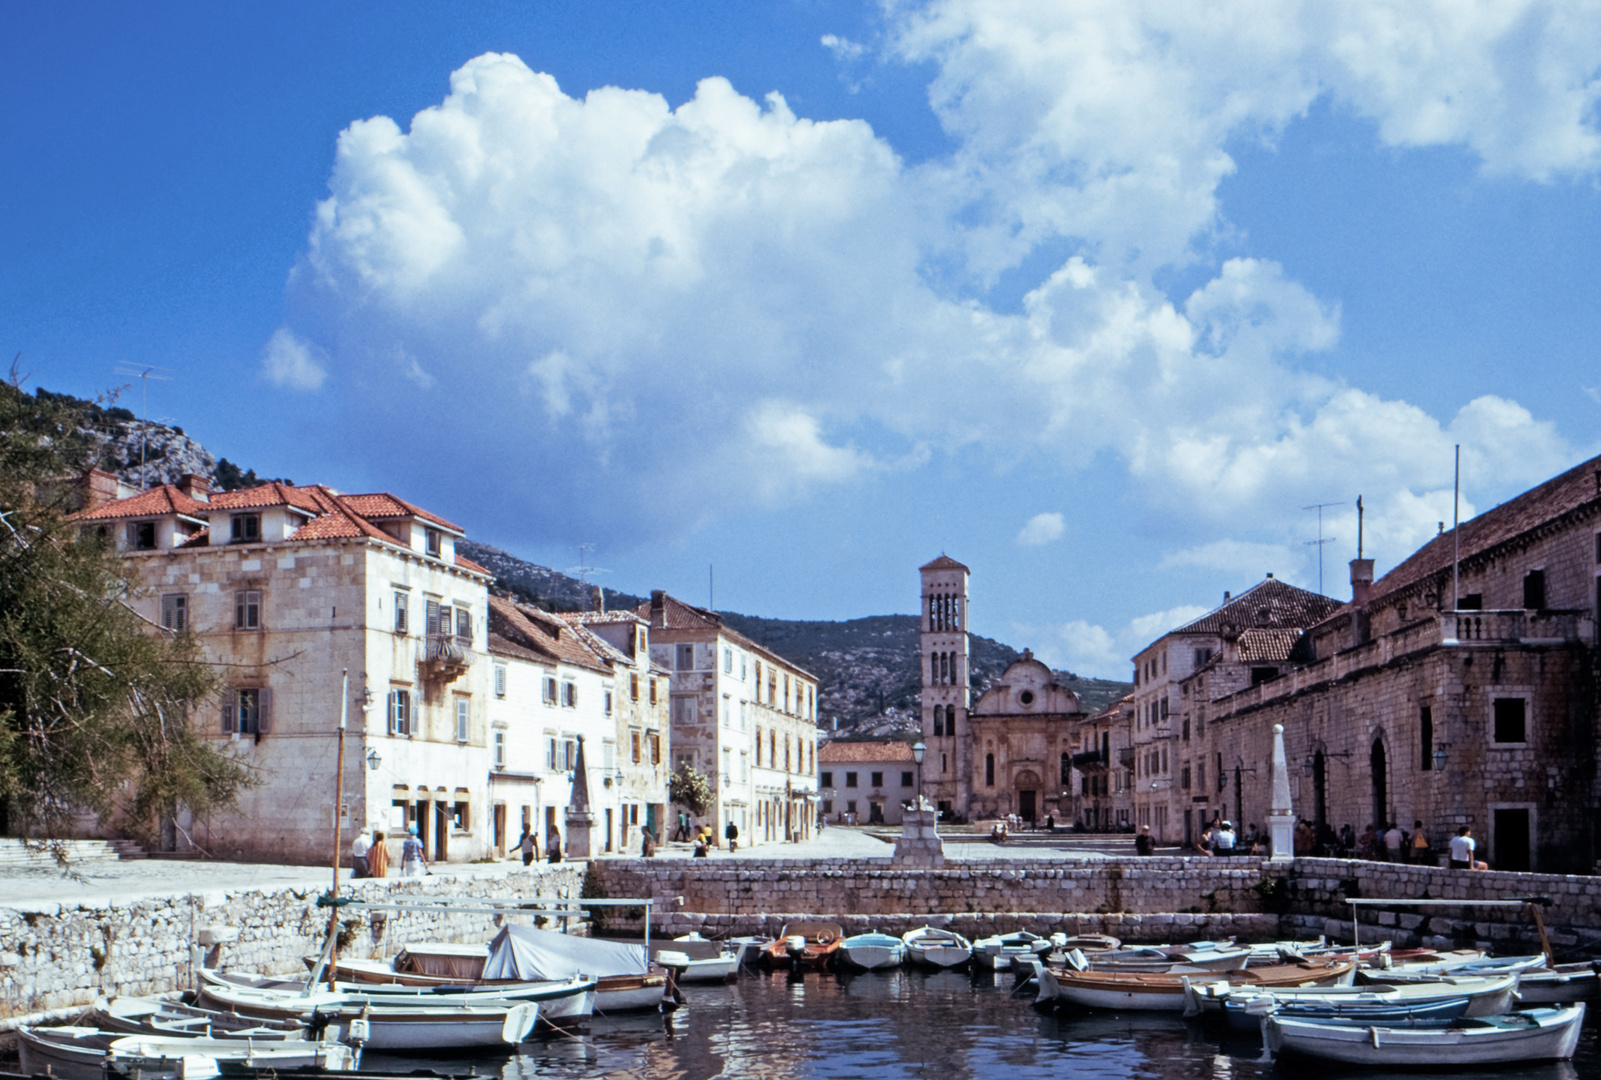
1381 795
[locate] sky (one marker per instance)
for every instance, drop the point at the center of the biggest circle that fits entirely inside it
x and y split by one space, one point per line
1097 297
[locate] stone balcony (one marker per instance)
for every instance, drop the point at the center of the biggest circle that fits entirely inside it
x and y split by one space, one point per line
447 658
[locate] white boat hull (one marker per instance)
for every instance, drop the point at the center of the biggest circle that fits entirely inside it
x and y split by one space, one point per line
630 999
939 956
1567 984
1553 1037
874 957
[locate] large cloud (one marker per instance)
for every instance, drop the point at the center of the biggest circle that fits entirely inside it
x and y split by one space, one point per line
608 313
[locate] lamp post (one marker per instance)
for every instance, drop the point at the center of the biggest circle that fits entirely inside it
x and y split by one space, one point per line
918 750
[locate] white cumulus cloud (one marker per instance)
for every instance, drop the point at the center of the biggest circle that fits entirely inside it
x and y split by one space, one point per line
291 362
1041 529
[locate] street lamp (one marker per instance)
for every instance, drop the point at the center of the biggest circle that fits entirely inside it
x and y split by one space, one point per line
918 750
1441 757
373 760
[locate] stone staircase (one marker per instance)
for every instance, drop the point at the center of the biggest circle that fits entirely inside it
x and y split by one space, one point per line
14 853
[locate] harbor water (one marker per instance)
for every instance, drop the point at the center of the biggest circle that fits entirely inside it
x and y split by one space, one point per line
905 1023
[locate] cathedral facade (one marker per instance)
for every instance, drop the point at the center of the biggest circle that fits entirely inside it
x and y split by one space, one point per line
1011 751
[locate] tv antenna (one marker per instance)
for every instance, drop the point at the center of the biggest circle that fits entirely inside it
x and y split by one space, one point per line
583 569
1320 541
144 374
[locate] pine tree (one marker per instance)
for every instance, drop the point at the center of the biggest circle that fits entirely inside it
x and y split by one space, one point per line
96 704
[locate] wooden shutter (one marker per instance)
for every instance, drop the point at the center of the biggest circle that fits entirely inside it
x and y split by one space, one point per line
230 718
264 711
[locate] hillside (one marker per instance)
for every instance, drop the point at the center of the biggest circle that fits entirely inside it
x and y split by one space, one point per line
868 668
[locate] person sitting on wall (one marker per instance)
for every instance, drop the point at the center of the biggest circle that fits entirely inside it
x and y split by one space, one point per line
1463 847
1223 839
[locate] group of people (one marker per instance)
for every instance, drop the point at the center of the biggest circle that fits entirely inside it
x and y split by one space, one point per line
529 845
369 855
1385 842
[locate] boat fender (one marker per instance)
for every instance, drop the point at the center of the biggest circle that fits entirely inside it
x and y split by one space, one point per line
1373 1037
359 1031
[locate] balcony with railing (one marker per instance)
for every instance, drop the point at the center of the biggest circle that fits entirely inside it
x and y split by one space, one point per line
1515 626
447 658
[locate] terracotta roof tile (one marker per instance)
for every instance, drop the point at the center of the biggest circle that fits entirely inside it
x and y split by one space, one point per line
467 564
944 562
865 753
272 493
677 615
153 502
1258 646
381 504
1270 604
541 632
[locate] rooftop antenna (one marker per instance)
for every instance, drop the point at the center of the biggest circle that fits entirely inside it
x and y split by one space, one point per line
144 375
583 569
711 587
1320 541
1359 526
1456 537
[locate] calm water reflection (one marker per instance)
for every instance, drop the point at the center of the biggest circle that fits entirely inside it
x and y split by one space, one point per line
910 1024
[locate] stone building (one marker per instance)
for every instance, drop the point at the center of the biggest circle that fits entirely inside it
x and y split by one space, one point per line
1010 752
286 587
743 716
1174 781
1101 784
868 782
556 685
1458 689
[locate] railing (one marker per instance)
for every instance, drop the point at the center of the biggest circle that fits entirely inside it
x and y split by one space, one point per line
1513 625
1088 757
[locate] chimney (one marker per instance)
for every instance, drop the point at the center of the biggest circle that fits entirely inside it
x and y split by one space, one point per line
600 599
658 601
99 488
1361 580
1227 596
196 487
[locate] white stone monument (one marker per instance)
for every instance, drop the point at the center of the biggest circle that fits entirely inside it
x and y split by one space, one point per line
919 844
1281 818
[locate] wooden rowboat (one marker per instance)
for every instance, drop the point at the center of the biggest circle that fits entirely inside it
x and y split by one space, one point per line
805 945
936 948
1164 991
1530 1035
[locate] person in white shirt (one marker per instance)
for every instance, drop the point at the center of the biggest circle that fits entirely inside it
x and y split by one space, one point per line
358 854
1223 838
1393 839
1462 849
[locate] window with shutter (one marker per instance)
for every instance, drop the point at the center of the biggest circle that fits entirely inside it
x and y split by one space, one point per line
500 749
464 624
175 611
433 618
402 612
463 719
230 719
247 610
264 711
500 680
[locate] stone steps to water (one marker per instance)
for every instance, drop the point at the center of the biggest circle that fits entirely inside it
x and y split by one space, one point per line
20 853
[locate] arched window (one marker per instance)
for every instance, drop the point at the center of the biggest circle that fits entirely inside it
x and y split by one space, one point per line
939 720
1067 768
989 770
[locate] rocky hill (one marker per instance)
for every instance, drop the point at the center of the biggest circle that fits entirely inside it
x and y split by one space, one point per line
868 669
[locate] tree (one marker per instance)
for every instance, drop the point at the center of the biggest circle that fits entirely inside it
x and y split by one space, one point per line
689 789
95 702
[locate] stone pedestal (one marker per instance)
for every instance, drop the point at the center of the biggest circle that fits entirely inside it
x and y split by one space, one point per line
580 834
1281 817
919 845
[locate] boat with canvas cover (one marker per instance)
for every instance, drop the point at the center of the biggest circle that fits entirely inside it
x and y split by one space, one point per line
998 951
872 952
88 1053
412 1021
1529 1035
1428 969
1165 991
1241 1005
628 981
936 948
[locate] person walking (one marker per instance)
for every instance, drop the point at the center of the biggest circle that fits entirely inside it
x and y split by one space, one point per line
412 862
553 846
378 856
358 854
1418 851
1462 848
528 845
647 845
731 834
1394 842
1145 843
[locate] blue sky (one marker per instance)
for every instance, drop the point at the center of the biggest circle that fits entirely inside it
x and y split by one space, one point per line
1094 297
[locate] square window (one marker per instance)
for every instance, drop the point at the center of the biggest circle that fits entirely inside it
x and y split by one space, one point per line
569 695
247 610
244 528
434 542
142 535
850 779
827 778
1511 720
175 611
878 779
685 658
906 779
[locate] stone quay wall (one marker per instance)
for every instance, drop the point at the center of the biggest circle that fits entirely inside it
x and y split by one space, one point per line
67 955
1138 900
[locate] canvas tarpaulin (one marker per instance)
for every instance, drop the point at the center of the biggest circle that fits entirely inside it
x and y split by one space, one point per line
529 955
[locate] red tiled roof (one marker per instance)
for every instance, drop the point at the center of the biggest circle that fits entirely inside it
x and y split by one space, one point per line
467 564
944 562
863 753
1270 604
677 615
154 502
381 504
272 493
543 633
1578 489
1258 645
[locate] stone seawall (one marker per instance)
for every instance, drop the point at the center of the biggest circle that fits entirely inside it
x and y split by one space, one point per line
67 955
1138 900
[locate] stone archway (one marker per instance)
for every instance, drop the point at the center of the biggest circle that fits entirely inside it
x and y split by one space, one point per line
1027 786
1378 764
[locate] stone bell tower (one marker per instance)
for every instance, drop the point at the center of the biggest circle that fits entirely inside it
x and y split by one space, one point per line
948 764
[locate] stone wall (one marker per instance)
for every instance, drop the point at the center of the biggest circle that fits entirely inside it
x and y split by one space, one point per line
69 954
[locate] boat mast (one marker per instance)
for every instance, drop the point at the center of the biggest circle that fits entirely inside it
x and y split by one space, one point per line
339 799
